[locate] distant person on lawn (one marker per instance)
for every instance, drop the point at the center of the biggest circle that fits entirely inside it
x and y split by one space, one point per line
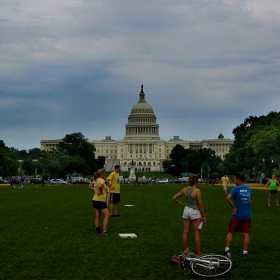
273 189
225 183
136 181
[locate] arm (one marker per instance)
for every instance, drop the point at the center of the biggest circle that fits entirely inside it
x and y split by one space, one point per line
229 196
109 184
100 186
179 194
201 206
91 185
267 184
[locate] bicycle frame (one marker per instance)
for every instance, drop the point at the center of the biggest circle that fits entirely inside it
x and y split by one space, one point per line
207 265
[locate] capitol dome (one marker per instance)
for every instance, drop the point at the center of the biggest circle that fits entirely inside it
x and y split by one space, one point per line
142 106
142 120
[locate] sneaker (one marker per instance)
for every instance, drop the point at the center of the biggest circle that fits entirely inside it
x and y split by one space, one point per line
118 216
244 255
188 252
227 254
268 205
98 230
277 204
112 216
104 232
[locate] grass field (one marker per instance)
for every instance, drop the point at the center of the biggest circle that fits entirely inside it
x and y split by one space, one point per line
48 233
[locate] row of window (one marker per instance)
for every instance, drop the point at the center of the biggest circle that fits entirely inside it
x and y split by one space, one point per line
141 120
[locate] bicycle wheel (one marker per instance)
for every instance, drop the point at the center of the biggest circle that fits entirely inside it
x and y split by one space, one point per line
211 265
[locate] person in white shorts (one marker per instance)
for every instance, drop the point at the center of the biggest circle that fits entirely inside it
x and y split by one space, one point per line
193 212
225 183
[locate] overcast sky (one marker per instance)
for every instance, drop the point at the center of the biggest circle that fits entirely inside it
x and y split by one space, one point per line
77 66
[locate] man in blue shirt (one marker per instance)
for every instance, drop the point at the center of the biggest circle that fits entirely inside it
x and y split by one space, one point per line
241 218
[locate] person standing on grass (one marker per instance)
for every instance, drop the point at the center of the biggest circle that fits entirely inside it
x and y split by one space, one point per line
193 212
136 181
22 178
13 182
273 189
225 182
115 197
99 200
68 181
241 218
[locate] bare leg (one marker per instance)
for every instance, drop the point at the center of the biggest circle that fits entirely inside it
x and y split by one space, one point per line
106 214
111 208
229 239
246 241
276 198
97 218
108 198
114 208
197 232
187 226
268 200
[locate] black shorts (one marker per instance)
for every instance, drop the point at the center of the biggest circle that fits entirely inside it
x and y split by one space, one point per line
115 197
273 191
99 204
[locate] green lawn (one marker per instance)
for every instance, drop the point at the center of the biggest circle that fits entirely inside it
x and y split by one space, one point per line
48 233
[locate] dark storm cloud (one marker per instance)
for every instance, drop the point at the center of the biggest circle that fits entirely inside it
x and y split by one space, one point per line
76 66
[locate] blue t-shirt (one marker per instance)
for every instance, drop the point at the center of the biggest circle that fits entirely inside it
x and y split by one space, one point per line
242 200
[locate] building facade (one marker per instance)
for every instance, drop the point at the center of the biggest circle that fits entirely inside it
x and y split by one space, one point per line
142 149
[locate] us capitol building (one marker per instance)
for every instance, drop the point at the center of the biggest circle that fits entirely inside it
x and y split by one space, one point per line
142 149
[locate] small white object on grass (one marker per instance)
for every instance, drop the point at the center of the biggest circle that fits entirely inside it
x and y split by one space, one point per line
128 205
127 235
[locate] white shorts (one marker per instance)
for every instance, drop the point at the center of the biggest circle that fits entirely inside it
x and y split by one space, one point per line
190 213
224 188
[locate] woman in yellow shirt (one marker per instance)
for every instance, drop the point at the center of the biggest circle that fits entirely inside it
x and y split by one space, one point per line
99 200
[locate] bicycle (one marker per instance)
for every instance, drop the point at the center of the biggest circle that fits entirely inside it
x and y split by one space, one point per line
206 265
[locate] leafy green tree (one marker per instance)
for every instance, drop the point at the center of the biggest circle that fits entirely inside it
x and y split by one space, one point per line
191 160
8 161
54 163
266 144
202 159
28 166
100 163
251 145
34 153
80 150
174 165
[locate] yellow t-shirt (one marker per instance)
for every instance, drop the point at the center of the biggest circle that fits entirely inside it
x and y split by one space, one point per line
96 196
114 178
224 180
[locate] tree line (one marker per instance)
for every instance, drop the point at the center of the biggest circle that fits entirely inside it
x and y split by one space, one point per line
255 152
73 154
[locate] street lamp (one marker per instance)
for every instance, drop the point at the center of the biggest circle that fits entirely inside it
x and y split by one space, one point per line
209 169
